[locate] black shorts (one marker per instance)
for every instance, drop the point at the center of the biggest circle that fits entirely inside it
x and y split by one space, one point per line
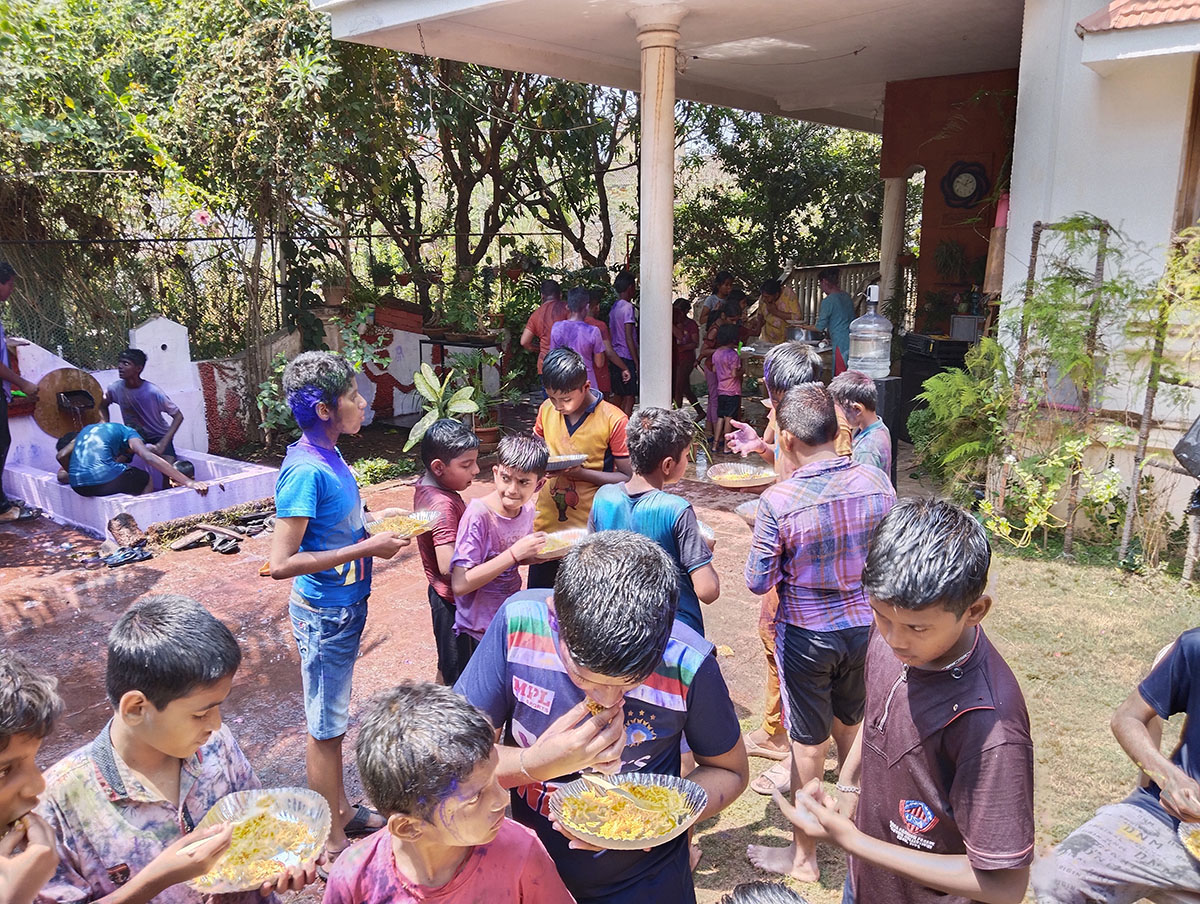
623 387
822 677
453 651
728 405
131 481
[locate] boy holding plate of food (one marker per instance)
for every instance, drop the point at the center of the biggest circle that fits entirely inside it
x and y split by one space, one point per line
598 675
123 807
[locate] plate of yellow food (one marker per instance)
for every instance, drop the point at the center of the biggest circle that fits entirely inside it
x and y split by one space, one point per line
608 820
272 830
559 543
562 462
1189 834
739 475
406 524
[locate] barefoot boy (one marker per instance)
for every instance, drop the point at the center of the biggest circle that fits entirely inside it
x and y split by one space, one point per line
606 642
428 762
124 806
321 541
495 536
944 761
658 440
575 420
450 453
810 541
28 707
856 398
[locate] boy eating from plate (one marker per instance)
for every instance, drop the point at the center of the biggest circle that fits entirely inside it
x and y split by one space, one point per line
28 707
123 808
606 635
428 762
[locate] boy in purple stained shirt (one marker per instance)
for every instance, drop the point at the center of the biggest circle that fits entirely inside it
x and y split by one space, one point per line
124 808
811 533
428 762
622 324
727 365
321 541
450 453
584 339
495 536
143 405
599 674
942 773
29 704
855 395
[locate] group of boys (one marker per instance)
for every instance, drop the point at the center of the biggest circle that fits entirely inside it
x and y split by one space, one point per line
601 664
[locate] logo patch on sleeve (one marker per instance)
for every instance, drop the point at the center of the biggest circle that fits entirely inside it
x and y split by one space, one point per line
531 695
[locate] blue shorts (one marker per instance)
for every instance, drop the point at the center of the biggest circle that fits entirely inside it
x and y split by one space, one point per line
328 640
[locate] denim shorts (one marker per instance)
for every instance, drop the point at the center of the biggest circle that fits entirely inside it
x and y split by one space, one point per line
328 640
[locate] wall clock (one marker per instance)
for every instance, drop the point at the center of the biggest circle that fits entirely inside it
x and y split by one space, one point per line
965 184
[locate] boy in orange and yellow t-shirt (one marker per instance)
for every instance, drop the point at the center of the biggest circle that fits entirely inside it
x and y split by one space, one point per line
574 420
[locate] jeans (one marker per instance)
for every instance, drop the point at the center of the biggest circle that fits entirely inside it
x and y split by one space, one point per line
328 640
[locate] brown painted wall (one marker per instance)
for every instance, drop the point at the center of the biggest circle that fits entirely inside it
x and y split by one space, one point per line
931 123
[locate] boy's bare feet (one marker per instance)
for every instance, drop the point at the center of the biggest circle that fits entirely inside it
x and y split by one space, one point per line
783 860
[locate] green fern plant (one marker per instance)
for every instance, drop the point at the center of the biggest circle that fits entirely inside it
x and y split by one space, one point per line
440 400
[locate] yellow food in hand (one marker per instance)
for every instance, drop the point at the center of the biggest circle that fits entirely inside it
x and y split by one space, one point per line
607 815
1191 840
256 843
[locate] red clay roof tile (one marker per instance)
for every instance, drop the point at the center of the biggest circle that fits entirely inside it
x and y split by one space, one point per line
1139 13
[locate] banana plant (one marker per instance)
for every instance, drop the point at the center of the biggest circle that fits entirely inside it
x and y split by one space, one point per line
439 401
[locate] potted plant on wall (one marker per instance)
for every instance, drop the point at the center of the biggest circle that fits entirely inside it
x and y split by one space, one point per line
471 367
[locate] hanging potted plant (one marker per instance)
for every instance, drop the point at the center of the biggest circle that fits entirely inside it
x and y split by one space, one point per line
382 274
334 285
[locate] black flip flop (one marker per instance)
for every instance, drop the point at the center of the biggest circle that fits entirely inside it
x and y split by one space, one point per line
227 546
126 555
359 825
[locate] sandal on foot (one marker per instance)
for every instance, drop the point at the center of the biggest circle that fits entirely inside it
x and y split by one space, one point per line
327 862
18 513
778 776
753 748
359 825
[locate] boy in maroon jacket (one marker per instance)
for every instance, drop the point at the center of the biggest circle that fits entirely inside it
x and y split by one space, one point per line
935 800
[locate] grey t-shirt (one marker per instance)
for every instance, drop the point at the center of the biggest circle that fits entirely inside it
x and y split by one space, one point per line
143 408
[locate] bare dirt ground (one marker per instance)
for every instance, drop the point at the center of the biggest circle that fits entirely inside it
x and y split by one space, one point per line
1079 638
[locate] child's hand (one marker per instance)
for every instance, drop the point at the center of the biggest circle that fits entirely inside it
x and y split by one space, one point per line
23 875
181 861
1181 797
743 440
578 740
293 878
386 544
527 548
199 487
815 814
625 375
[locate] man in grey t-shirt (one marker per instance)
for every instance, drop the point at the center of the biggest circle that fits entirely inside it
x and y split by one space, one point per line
144 406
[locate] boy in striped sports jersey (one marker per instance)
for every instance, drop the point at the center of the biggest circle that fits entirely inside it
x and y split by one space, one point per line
599 675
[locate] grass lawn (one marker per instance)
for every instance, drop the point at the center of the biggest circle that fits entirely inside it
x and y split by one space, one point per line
1078 638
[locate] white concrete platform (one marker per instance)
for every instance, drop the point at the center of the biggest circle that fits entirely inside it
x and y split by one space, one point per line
230 483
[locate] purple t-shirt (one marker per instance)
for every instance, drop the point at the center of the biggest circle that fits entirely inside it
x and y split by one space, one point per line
621 314
725 365
143 408
483 535
582 338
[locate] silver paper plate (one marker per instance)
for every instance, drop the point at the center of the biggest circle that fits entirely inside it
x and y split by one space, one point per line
695 800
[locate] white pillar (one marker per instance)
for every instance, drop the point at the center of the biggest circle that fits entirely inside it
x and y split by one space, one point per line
890 240
658 34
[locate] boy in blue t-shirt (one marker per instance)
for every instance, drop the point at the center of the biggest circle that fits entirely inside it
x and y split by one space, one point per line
658 440
1131 849
321 541
598 674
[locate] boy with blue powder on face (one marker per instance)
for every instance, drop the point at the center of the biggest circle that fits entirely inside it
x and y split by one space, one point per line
322 542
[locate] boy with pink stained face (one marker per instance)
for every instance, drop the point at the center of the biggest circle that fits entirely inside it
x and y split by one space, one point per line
428 763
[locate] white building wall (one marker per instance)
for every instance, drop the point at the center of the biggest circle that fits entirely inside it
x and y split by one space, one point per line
1111 146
